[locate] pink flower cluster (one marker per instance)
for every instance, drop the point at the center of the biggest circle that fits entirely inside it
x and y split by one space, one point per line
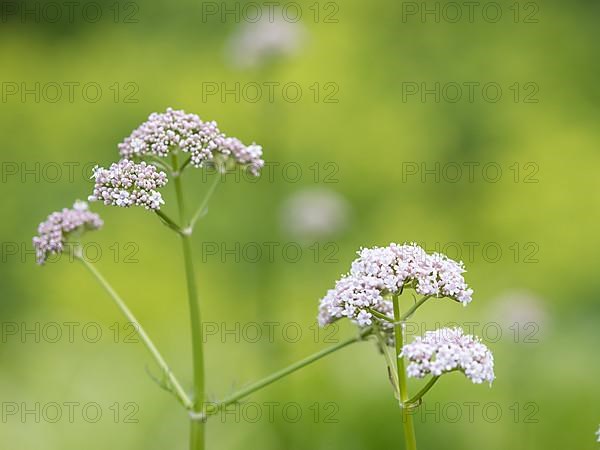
382 271
203 141
127 184
55 230
446 350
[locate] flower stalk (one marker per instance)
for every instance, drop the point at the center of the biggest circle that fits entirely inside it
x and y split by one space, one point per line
172 384
407 418
168 221
202 208
416 399
235 397
197 433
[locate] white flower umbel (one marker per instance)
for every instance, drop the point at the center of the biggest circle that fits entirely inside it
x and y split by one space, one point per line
598 435
446 350
127 184
383 271
56 229
202 140
173 129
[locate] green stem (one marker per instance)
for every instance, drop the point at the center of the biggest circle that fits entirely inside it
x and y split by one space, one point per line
390 361
412 402
233 398
158 162
174 385
407 418
184 165
207 197
413 308
168 221
380 315
197 426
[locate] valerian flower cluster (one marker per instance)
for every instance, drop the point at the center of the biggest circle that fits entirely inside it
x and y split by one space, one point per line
134 181
203 141
383 271
54 232
378 276
126 184
446 350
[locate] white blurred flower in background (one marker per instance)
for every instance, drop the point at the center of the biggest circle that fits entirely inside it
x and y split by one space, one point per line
272 36
314 213
519 306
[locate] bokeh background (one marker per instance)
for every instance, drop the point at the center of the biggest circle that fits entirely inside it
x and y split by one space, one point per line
351 144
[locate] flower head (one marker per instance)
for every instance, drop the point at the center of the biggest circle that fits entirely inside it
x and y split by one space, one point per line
246 156
126 184
173 128
446 350
382 271
54 231
203 141
598 435
271 37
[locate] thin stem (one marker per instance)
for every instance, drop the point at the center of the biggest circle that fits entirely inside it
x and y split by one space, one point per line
422 392
389 362
185 164
174 385
380 315
405 316
207 197
168 221
158 162
233 398
413 308
197 426
407 419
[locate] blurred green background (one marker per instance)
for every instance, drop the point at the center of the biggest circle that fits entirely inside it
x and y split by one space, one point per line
541 213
